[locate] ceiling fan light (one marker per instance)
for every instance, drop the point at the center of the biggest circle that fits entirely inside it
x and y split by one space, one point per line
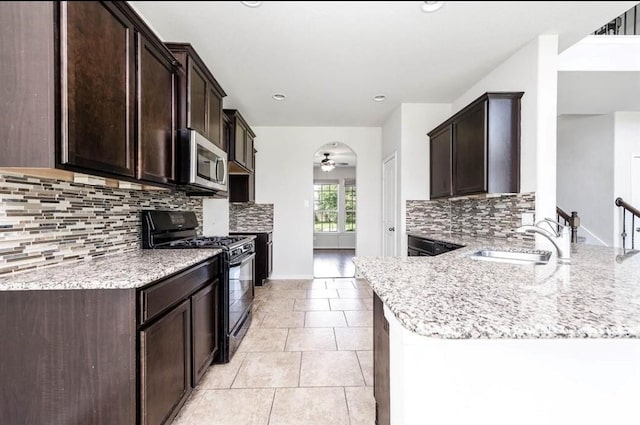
252 3
432 6
327 164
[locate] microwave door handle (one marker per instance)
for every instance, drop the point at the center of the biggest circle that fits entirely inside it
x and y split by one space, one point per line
224 169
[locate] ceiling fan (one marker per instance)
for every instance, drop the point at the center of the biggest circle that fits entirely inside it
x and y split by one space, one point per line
327 164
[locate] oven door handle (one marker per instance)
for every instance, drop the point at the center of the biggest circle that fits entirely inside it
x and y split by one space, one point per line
245 316
240 261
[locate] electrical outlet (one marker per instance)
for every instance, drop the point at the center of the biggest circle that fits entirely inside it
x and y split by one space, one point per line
527 219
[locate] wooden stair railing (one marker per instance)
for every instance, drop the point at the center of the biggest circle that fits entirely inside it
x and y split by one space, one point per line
626 207
572 220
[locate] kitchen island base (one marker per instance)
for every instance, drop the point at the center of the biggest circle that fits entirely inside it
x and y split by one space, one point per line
512 381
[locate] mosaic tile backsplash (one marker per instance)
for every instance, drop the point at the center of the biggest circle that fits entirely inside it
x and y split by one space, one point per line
44 222
495 216
250 217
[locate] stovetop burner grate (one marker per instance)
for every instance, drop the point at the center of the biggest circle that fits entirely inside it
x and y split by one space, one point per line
207 241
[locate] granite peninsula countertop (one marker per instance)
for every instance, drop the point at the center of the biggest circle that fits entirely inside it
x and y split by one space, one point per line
452 296
122 271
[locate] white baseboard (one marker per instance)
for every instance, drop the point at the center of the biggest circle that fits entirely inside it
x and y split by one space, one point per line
289 277
320 248
593 235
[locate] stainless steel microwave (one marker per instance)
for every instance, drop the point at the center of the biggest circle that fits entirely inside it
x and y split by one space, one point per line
202 164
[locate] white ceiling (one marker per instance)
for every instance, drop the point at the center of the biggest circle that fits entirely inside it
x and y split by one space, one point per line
598 92
331 58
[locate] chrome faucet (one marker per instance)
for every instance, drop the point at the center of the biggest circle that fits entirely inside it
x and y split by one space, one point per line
560 239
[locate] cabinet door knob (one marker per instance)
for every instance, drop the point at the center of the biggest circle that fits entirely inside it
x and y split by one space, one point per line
392 229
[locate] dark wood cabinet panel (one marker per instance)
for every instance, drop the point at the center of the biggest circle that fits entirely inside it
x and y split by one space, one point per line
469 150
205 327
197 100
241 187
97 81
381 381
440 162
270 258
156 114
484 147
27 79
240 139
68 357
165 366
214 118
200 95
503 156
250 154
240 144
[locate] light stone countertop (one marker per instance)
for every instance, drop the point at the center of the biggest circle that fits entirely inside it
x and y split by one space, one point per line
455 297
130 270
253 230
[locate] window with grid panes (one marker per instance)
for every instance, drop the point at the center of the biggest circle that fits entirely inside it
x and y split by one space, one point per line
350 207
325 207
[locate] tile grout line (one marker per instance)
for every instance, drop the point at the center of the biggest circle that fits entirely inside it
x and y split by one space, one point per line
300 369
235 376
346 401
361 370
273 401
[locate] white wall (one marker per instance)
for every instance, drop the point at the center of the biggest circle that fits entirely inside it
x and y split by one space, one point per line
416 121
627 142
532 69
602 53
405 133
215 217
284 177
585 172
392 144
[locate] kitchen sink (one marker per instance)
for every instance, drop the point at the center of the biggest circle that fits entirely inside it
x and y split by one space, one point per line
512 256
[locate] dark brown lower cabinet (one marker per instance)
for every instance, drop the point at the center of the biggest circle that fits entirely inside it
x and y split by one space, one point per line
101 357
205 329
264 255
165 365
68 357
381 386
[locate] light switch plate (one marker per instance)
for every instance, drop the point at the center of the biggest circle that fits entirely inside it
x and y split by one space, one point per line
527 219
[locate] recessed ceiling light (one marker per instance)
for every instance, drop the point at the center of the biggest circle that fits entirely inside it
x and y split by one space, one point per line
379 98
432 6
252 3
278 96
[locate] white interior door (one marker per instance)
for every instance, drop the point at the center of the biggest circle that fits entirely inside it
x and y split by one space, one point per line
389 207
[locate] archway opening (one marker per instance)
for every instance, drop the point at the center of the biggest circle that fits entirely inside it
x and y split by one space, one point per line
334 211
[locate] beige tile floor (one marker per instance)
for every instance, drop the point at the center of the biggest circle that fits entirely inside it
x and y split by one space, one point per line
306 360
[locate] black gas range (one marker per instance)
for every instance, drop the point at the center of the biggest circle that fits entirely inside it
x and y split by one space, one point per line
178 230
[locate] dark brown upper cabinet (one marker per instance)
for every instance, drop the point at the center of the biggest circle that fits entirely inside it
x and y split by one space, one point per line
242 187
91 90
156 114
440 154
97 72
477 150
200 95
240 140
